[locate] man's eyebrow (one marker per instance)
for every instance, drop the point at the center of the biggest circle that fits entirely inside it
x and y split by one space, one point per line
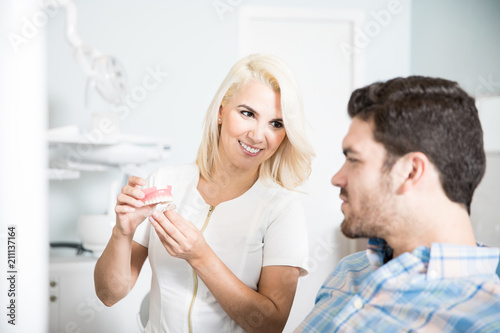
349 150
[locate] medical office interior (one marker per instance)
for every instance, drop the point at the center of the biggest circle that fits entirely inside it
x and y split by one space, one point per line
77 120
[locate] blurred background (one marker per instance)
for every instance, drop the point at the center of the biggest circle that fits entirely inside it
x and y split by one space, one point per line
93 91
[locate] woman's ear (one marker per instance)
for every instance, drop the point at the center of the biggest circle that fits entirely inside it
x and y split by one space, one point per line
414 169
219 115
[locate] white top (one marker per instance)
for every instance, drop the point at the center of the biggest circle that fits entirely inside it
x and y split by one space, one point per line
263 227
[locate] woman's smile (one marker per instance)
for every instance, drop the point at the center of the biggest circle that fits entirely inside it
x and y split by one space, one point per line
249 149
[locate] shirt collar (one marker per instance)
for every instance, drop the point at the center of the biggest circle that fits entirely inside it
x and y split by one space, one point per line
442 260
378 252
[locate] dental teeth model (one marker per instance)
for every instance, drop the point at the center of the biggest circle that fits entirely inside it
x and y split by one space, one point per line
156 195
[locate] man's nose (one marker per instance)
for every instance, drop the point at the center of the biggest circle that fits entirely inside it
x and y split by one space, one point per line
338 179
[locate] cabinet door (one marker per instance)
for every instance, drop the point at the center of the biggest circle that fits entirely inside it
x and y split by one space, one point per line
74 306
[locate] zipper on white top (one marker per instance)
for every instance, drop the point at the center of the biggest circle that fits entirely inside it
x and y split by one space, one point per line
195 277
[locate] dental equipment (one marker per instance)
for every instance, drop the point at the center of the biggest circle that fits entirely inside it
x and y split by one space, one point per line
104 72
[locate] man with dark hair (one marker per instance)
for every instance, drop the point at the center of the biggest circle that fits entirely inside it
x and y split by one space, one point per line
414 156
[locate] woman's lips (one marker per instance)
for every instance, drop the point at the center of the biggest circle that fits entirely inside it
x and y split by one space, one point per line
249 149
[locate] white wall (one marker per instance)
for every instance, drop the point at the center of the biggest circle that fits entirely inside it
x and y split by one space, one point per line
458 40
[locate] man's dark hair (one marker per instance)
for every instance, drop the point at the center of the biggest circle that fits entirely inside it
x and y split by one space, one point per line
429 115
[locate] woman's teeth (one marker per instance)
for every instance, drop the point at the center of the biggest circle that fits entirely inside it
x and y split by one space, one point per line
249 149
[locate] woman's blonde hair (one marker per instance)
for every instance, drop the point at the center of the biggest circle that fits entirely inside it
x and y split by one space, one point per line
290 165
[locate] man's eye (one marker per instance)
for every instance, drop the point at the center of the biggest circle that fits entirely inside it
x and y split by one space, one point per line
247 113
351 160
277 124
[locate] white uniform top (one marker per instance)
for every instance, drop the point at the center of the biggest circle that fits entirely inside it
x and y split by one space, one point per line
263 227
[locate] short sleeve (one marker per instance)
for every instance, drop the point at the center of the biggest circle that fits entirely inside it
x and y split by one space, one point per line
286 240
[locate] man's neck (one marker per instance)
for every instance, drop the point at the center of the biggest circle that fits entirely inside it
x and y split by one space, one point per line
451 225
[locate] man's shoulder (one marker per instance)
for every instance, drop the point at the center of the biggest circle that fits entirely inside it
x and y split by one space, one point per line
353 262
352 267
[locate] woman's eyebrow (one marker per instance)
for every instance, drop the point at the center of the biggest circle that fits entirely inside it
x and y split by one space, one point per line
252 110
247 107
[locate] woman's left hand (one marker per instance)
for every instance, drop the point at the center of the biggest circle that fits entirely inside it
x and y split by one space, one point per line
179 236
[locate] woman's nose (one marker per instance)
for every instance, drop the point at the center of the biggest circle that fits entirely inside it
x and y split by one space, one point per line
257 133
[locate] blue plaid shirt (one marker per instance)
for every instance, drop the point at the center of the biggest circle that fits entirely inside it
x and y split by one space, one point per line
445 288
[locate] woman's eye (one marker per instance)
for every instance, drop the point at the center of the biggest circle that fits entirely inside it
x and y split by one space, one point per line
247 113
277 124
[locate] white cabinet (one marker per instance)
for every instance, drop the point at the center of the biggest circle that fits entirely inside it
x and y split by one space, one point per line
71 151
74 306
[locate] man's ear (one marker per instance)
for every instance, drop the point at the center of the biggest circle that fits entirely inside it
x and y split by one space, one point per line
414 167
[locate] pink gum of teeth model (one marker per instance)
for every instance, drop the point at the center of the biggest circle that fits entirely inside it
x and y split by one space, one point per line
154 195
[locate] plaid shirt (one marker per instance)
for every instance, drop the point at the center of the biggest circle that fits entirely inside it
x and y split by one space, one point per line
447 288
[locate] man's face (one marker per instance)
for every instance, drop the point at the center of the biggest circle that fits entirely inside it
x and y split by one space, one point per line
365 187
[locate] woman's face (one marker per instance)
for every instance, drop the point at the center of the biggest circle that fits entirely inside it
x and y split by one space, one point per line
251 127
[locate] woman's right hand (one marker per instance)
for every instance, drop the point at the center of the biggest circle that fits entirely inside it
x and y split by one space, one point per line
130 210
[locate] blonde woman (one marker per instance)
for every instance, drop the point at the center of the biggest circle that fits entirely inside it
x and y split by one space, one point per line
229 257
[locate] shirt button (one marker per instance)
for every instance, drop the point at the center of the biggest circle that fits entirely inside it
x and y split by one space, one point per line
432 274
358 304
